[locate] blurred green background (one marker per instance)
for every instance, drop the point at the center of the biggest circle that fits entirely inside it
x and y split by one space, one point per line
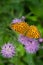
33 12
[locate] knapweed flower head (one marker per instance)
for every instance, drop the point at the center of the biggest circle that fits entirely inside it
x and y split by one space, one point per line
16 21
23 39
32 46
33 32
8 50
40 39
21 27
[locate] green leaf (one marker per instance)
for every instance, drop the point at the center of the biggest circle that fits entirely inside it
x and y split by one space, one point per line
16 60
36 6
20 50
29 59
32 18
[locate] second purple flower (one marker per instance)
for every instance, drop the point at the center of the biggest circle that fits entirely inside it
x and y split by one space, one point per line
31 45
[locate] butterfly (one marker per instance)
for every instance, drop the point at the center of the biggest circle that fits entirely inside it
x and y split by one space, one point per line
23 28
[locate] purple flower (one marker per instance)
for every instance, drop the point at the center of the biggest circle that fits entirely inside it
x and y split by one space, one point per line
8 50
31 45
22 39
16 20
40 39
